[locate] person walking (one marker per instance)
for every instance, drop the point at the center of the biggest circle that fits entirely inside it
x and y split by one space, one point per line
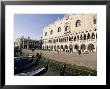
79 52
58 51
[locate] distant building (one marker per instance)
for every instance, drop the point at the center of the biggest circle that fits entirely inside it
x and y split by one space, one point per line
27 43
72 33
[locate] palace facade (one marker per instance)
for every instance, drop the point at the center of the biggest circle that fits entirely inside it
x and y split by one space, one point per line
72 33
26 43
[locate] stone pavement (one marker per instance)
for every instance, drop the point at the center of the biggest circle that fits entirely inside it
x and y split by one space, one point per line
87 60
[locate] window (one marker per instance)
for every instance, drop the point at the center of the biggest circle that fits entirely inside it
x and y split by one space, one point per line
94 20
51 32
67 38
88 36
78 23
59 29
54 41
81 37
66 28
50 41
93 36
59 39
75 38
46 34
84 36
78 37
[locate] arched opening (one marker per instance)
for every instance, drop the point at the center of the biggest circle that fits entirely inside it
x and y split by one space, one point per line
75 38
51 32
93 36
71 38
58 39
67 28
84 36
58 47
43 47
59 29
88 36
71 48
55 47
78 23
47 47
45 33
83 47
67 38
81 37
90 47
76 47
61 46
66 48
51 48
63 39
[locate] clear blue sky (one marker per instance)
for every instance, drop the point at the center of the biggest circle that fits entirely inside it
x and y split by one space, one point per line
32 24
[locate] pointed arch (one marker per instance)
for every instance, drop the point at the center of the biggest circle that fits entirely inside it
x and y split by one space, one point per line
90 47
83 47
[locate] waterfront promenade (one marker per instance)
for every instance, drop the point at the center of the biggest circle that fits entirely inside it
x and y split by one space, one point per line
88 60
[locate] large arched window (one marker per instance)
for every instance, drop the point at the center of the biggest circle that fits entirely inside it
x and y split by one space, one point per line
61 46
51 32
90 47
59 29
66 47
83 47
76 47
78 23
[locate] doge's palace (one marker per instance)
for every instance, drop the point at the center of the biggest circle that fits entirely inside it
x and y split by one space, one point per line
71 33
